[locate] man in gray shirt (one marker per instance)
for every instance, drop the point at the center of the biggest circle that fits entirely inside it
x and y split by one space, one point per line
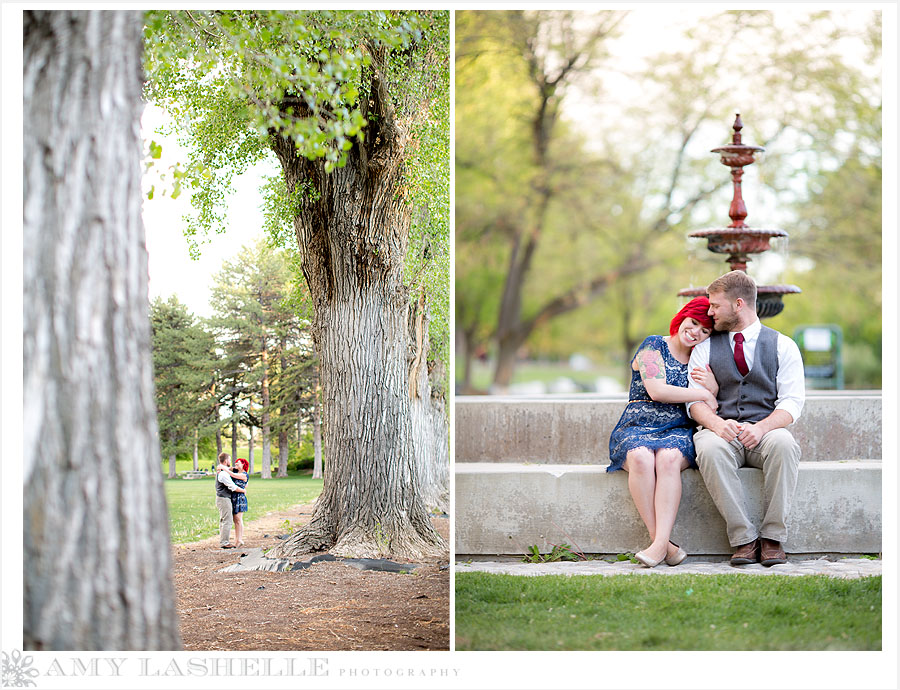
224 488
761 393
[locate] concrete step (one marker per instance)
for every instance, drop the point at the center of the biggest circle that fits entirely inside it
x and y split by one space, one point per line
503 508
834 426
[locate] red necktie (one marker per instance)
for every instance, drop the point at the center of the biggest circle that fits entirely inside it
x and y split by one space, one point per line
739 354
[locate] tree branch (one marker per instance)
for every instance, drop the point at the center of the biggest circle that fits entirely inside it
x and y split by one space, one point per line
581 294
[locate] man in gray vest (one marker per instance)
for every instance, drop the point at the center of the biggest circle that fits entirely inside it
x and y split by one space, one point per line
761 392
224 488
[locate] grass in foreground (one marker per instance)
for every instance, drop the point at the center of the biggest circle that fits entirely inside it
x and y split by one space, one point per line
192 502
671 612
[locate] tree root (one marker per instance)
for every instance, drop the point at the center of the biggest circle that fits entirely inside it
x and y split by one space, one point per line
408 545
313 538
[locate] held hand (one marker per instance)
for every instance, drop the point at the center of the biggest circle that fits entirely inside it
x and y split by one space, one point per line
750 435
728 430
710 399
706 379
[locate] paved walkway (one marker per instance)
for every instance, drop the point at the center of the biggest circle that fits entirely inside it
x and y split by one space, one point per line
841 568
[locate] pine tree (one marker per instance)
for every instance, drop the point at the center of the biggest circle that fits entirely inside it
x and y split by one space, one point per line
183 363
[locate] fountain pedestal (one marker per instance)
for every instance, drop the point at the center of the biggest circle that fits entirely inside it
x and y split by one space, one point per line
739 240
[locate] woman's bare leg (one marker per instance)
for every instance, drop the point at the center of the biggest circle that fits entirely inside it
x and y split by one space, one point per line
640 465
669 465
239 528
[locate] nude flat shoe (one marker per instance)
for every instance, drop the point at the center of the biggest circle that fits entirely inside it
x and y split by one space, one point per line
647 561
679 556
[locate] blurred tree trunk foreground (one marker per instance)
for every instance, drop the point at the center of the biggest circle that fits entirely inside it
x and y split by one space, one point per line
96 539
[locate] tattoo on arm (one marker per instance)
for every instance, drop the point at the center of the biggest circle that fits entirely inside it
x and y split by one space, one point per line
651 366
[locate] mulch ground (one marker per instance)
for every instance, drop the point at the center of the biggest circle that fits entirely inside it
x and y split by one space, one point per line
329 606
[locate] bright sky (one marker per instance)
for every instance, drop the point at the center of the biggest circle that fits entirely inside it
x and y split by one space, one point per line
172 271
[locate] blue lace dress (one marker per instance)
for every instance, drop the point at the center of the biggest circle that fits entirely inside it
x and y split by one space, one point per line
651 424
239 500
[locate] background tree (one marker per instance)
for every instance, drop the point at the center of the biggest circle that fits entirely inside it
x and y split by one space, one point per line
550 54
293 382
247 296
97 571
182 368
344 100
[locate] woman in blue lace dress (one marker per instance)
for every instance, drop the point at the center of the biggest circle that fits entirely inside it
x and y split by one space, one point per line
653 440
238 500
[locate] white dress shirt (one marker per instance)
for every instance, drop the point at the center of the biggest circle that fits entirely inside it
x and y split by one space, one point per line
225 478
790 383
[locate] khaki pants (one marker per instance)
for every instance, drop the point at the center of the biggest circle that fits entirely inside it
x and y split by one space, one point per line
224 506
777 455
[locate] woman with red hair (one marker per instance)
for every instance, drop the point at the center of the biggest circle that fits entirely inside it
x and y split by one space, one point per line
239 500
653 440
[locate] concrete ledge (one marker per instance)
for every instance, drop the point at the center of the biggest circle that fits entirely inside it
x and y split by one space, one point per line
834 426
503 508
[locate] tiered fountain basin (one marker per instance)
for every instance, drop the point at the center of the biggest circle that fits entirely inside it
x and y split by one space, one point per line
768 297
738 242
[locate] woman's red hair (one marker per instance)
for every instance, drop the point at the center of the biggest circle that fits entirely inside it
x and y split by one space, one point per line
697 309
243 463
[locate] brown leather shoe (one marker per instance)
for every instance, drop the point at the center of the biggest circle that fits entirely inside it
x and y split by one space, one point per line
746 554
770 552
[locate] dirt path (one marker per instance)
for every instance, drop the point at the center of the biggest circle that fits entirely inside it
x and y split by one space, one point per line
328 606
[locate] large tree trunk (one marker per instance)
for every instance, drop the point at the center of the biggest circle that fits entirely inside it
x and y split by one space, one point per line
507 353
196 449
96 540
352 240
430 426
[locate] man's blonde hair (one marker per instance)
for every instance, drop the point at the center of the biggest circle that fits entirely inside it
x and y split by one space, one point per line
735 284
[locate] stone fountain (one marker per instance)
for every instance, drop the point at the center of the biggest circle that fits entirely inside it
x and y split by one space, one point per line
739 240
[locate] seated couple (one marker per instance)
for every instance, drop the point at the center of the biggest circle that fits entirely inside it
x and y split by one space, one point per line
746 385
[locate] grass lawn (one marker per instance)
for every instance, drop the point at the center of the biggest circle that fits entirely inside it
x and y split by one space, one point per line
185 463
671 612
192 503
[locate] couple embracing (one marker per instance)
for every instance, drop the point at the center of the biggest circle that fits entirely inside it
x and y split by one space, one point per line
231 499
743 384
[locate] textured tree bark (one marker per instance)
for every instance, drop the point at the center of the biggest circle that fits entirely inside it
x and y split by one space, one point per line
352 238
96 539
